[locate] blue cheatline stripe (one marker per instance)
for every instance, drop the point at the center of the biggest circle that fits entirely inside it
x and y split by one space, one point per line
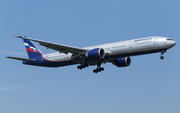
48 63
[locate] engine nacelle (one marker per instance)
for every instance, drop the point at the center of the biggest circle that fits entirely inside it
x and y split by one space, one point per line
95 54
122 62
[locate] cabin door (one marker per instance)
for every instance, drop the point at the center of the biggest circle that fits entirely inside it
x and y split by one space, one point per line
155 41
130 45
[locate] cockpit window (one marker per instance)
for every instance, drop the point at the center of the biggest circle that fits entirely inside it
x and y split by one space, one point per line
168 39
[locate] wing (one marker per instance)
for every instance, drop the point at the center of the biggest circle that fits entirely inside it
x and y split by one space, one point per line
58 47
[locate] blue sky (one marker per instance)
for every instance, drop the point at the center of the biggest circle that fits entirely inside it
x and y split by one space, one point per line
149 85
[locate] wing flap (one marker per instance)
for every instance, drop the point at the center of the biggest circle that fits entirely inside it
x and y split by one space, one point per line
21 59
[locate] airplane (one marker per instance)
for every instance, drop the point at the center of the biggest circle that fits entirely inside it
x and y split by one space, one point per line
117 53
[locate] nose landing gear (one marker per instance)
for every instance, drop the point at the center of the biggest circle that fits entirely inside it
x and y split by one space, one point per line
162 52
161 57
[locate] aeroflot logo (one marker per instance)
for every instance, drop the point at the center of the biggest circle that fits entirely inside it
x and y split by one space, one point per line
31 49
145 39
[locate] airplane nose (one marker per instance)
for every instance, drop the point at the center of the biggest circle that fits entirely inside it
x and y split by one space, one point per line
171 43
174 43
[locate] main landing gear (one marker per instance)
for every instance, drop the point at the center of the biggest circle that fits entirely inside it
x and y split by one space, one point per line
162 52
83 65
99 68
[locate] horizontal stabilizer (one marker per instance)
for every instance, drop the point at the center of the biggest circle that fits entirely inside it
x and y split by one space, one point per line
22 59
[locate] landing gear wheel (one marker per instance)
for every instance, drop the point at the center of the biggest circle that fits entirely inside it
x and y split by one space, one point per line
102 69
83 66
99 69
79 67
161 57
86 65
95 71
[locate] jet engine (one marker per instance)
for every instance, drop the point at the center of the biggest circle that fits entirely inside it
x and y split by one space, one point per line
122 62
95 54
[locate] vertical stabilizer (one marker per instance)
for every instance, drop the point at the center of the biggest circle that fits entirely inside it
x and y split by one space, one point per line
31 49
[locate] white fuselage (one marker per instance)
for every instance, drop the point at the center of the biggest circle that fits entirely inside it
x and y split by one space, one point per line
121 49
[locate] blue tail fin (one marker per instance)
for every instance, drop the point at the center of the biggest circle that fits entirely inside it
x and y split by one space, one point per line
31 49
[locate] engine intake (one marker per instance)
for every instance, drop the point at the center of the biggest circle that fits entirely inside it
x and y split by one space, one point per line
122 62
95 54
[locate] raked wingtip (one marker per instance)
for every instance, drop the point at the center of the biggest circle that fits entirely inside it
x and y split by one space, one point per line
19 36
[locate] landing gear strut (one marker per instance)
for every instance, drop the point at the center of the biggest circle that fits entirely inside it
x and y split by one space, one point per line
162 52
99 68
